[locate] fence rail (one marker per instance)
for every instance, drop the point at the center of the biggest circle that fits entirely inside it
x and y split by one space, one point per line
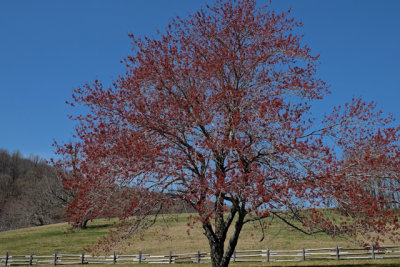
263 255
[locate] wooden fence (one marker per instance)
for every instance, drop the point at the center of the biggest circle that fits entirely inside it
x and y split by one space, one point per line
263 255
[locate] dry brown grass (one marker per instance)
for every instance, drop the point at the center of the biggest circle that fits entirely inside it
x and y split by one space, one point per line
170 233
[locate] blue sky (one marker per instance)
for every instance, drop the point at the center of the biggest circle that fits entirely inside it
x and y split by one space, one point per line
48 48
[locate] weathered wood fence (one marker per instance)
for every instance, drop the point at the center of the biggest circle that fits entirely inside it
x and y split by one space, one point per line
263 255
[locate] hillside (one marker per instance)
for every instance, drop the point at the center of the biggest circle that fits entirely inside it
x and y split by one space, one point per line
30 192
169 233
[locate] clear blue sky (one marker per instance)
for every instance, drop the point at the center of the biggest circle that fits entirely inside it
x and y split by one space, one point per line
47 48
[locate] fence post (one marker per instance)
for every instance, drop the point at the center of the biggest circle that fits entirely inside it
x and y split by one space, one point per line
304 254
170 256
115 258
140 256
83 258
373 251
268 253
7 258
55 258
337 252
234 256
31 259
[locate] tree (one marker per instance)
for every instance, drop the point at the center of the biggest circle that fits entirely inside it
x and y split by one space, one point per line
31 192
216 112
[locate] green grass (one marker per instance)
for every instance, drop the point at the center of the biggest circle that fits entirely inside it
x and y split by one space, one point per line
169 233
347 263
49 238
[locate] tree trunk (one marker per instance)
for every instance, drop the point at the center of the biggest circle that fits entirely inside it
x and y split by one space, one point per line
82 224
216 246
220 257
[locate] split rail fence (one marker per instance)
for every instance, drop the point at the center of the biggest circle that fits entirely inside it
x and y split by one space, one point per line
263 255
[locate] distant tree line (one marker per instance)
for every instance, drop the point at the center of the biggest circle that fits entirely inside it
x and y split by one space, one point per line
31 192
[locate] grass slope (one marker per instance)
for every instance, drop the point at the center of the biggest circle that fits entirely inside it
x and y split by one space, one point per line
169 233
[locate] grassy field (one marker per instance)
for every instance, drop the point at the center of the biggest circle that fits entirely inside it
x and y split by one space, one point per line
170 233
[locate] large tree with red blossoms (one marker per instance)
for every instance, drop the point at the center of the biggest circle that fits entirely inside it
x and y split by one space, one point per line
216 112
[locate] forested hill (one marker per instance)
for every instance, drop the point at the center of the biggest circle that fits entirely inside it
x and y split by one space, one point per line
31 193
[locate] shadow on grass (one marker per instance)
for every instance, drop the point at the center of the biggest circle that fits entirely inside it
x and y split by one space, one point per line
98 226
391 263
352 265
